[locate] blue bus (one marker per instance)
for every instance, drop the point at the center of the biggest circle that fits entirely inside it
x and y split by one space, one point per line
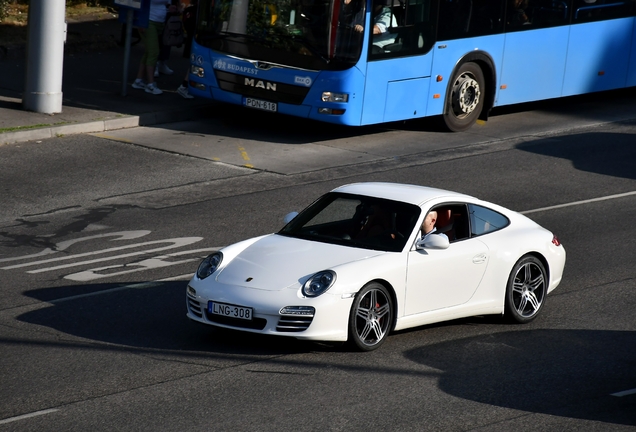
361 62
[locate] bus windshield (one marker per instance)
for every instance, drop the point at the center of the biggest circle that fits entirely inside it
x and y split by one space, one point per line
306 34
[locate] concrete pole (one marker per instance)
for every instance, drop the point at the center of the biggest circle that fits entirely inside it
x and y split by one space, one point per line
45 56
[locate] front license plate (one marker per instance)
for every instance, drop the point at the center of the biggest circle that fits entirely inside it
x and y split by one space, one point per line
229 310
261 104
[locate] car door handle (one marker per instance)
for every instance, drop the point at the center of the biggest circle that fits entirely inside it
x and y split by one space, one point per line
480 258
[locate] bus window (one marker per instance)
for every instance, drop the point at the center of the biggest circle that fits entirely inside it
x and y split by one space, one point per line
467 18
531 14
411 32
598 10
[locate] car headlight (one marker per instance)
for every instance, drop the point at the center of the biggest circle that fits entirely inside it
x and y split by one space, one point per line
319 283
209 265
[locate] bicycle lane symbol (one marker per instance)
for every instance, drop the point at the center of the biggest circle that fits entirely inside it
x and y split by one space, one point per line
56 263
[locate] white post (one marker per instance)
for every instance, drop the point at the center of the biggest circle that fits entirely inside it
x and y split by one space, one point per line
45 56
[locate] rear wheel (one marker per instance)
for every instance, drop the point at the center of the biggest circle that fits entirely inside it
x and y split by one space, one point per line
371 317
465 98
526 290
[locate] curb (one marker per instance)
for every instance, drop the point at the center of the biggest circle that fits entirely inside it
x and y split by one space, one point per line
124 122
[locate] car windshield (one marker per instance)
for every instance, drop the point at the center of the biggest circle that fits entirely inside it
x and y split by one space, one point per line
356 221
308 34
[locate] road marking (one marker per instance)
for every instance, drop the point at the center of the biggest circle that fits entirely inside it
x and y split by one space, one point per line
26 416
624 393
140 285
123 235
176 242
102 251
147 264
575 203
245 157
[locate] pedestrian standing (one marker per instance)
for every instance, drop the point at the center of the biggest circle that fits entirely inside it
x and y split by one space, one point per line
150 37
189 18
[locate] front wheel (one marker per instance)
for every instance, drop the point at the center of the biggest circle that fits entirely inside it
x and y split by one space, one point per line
526 290
371 317
465 98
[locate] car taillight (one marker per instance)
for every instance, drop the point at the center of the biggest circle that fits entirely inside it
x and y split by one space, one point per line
555 241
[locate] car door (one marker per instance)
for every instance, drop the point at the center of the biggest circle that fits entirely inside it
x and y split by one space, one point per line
444 278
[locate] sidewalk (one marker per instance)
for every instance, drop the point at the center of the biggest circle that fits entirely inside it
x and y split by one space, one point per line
92 87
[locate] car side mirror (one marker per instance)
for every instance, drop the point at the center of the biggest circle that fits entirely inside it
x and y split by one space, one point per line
433 241
289 217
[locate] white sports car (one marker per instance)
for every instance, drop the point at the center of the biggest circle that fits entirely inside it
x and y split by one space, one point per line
354 265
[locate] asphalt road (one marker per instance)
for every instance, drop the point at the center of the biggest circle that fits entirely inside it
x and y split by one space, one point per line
93 331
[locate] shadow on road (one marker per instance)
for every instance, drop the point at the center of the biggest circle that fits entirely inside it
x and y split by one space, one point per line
553 372
148 319
607 153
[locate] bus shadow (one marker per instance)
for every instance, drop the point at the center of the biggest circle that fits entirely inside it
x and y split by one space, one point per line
566 373
606 153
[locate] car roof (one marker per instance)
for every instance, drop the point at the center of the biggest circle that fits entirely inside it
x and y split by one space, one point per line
411 194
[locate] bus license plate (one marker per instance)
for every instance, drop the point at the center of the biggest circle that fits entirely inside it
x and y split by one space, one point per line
261 104
229 310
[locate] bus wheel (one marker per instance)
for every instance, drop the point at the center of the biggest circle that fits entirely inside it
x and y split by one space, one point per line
465 99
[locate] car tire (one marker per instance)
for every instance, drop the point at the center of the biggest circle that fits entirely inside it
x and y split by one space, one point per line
465 98
371 317
526 290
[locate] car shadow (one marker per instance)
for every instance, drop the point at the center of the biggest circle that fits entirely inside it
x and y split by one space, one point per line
573 373
148 317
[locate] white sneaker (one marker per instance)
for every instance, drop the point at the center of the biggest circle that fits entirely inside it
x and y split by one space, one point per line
183 91
164 69
139 84
152 88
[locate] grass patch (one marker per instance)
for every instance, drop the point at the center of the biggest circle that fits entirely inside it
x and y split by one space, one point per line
13 28
37 126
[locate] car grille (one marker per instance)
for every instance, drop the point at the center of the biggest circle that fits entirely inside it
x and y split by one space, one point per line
286 93
195 307
255 324
293 323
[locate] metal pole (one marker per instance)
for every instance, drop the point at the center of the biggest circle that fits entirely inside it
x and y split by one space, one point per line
129 25
45 56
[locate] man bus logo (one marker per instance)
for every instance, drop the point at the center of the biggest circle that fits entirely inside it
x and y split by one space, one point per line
260 84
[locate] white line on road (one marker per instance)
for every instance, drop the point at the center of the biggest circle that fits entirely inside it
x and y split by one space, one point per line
26 416
141 285
624 393
575 203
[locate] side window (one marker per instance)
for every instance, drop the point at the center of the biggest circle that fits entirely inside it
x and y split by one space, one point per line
531 14
452 220
468 18
484 220
404 28
599 10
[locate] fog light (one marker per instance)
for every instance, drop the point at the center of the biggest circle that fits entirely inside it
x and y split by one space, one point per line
334 97
298 310
332 111
191 291
197 85
198 71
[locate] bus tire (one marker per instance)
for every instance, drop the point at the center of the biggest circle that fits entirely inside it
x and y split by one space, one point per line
465 98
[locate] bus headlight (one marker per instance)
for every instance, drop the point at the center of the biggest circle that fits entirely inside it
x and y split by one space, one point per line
334 97
198 71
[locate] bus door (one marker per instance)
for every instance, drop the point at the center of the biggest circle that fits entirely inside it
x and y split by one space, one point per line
399 67
535 52
601 38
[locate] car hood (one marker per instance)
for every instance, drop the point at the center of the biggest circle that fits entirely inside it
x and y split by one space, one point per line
276 262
